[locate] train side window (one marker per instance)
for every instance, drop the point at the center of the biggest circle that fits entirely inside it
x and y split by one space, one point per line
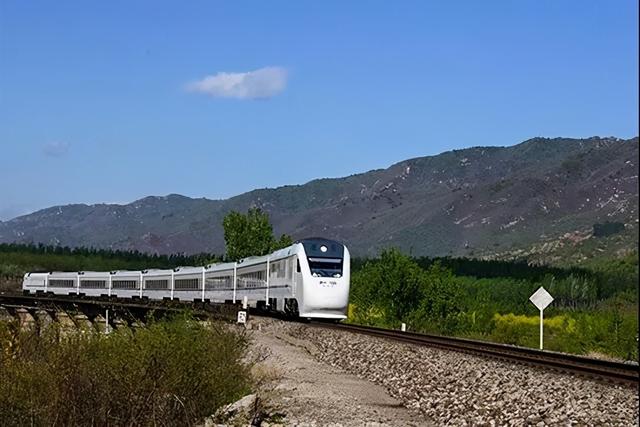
298 265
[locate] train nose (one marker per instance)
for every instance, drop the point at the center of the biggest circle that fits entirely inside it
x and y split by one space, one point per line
327 293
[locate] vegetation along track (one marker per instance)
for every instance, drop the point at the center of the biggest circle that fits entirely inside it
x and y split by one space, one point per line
619 372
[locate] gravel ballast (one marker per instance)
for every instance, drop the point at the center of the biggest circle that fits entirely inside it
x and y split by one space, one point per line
457 389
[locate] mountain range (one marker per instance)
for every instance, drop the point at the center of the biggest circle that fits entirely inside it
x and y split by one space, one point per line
540 196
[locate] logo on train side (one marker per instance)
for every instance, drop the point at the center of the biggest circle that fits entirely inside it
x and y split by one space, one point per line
328 284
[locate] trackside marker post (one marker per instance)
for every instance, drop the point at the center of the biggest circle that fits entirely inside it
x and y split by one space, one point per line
242 317
541 299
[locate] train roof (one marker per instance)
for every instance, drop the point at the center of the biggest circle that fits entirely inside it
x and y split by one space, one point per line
280 253
221 266
313 246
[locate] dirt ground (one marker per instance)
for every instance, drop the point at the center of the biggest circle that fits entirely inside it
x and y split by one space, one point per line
309 393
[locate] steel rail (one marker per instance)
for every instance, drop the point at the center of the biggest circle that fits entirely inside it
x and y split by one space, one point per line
620 372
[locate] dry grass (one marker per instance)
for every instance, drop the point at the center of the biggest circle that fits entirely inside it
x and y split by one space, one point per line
173 372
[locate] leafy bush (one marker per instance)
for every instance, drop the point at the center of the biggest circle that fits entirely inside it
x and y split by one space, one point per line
525 330
173 372
609 332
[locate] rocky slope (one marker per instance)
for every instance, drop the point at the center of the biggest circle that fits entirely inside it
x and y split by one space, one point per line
482 201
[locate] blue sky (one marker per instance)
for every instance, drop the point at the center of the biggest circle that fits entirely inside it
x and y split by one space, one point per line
113 101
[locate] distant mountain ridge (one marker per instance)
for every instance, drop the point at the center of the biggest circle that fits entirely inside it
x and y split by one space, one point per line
481 201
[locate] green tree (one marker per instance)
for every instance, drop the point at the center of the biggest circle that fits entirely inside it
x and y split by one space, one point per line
250 234
441 303
386 290
394 289
284 241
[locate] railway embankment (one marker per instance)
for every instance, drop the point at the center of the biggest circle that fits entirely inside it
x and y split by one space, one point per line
441 387
460 389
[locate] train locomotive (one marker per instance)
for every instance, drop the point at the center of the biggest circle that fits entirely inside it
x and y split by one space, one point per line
309 279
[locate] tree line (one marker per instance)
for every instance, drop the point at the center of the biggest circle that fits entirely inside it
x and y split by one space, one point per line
595 307
249 234
16 258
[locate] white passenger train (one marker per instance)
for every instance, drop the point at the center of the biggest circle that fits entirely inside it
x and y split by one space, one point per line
309 279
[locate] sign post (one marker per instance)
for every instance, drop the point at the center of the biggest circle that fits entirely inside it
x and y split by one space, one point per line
541 299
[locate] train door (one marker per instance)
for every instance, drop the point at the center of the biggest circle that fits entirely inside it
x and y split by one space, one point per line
297 276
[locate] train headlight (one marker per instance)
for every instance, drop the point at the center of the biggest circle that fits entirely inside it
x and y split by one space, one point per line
323 248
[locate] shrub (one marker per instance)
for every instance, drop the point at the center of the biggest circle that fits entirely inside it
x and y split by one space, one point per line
173 372
610 331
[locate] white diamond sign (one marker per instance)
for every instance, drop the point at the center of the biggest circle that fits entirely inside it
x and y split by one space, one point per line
541 298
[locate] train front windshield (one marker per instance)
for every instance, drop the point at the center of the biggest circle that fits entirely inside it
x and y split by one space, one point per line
325 267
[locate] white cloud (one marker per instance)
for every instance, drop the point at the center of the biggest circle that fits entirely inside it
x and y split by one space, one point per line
262 83
56 148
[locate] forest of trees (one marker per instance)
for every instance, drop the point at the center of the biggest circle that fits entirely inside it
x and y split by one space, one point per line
595 308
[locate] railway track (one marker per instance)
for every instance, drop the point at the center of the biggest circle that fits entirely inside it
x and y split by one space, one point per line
137 309
601 369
